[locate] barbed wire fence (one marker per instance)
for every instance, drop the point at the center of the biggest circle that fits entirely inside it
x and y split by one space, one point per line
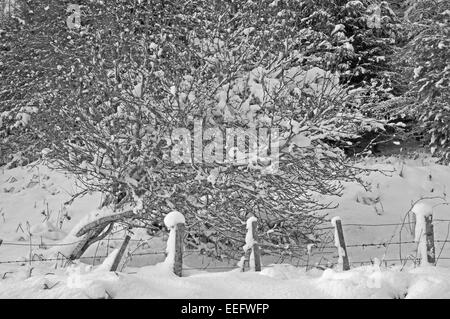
326 253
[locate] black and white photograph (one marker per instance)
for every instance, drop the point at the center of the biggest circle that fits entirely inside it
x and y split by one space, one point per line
240 150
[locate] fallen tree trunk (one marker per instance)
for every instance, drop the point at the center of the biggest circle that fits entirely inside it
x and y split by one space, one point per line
92 236
103 221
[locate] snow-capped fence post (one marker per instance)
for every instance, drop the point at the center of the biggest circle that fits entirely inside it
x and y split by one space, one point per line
119 255
176 223
252 254
339 242
424 233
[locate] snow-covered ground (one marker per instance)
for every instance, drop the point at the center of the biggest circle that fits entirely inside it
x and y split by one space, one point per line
277 281
32 202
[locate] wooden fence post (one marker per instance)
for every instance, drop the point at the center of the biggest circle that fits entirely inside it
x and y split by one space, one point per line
340 243
256 250
429 230
175 222
119 255
178 262
412 225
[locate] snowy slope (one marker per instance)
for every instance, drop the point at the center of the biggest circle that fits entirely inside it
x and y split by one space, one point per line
33 210
280 281
394 190
32 201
